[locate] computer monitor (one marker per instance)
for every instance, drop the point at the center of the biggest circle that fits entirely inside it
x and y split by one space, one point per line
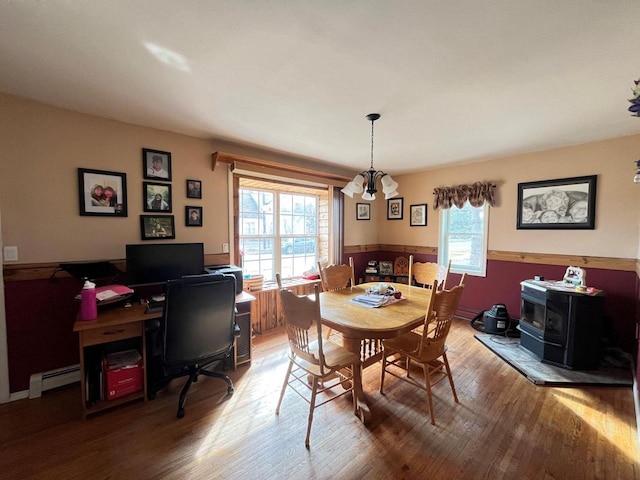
154 264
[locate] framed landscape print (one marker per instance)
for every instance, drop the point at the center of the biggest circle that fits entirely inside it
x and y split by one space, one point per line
156 197
157 227
363 211
102 193
394 208
156 164
564 203
418 215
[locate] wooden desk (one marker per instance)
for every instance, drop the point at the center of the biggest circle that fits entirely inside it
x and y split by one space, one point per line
112 324
358 323
120 323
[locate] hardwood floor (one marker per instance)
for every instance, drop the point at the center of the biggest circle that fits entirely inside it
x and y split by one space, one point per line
504 427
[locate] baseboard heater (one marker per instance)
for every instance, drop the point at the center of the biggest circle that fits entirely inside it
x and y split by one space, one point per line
40 382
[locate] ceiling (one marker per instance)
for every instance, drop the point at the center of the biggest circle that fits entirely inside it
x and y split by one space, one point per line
455 82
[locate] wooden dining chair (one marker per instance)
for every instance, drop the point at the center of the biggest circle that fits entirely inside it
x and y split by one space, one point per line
425 273
336 277
319 366
428 349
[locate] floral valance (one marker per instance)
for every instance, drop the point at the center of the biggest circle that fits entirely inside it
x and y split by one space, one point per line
477 194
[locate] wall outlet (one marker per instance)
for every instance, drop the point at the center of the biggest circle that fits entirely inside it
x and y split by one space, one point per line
225 247
10 254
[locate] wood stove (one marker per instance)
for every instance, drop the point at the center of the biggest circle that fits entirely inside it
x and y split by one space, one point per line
561 326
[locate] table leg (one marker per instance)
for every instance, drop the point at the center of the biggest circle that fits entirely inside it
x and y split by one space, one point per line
363 411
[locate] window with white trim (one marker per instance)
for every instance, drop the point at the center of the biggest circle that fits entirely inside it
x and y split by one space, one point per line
463 238
281 228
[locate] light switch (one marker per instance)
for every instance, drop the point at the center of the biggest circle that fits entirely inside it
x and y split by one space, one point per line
225 247
10 254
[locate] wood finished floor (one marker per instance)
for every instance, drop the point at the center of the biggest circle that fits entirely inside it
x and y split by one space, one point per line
504 427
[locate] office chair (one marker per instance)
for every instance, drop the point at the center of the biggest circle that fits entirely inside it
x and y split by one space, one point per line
198 328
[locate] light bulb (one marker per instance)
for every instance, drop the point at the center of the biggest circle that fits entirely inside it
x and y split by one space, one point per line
388 184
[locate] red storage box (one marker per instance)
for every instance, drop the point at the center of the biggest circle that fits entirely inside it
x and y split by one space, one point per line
123 374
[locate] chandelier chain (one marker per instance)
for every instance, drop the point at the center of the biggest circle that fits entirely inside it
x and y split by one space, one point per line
372 144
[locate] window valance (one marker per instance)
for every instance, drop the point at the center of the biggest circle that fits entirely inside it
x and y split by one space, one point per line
476 193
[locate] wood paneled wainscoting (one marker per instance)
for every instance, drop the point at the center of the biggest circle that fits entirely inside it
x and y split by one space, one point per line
266 311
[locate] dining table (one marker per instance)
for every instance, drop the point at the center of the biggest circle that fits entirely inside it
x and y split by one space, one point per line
363 327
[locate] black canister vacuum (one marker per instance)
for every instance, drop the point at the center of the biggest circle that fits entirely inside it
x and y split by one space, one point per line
495 321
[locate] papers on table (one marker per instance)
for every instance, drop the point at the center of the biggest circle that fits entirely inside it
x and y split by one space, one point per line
371 301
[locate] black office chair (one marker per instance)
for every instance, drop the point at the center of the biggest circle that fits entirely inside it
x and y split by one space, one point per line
198 329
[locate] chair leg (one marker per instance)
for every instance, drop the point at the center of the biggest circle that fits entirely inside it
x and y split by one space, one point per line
446 366
427 383
312 406
284 386
183 393
384 367
224 377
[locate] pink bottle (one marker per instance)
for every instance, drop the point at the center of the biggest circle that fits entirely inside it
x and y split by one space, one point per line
89 306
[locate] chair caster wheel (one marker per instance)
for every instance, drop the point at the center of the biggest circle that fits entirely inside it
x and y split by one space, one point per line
180 413
230 391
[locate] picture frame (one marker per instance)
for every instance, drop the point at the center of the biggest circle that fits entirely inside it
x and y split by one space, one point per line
157 227
386 267
194 189
363 211
192 216
156 165
102 193
156 197
418 215
394 208
564 203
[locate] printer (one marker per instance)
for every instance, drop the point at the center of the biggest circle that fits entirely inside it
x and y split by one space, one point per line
228 270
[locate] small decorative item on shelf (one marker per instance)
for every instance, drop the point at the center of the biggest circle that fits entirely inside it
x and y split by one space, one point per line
635 101
253 283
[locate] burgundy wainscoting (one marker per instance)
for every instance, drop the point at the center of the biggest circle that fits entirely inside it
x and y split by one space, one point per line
40 316
502 285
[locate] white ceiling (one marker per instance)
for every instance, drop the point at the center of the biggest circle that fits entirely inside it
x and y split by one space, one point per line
455 81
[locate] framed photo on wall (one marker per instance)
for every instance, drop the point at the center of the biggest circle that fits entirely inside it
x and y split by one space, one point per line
157 227
156 197
394 208
363 211
193 216
564 203
102 193
156 164
194 189
418 215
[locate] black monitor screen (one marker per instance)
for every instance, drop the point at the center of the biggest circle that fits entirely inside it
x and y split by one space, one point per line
153 264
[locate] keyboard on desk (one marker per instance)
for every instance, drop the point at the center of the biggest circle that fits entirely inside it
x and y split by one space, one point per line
155 306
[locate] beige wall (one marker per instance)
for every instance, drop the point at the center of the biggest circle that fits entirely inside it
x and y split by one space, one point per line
618 198
42 147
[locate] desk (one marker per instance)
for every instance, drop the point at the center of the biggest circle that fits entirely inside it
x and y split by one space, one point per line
358 323
121 323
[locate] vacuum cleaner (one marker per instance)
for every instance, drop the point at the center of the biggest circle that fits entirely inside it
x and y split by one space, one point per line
495 321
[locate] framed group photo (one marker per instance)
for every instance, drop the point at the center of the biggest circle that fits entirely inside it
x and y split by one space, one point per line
102 193
363 211
418 215
194 189
156 164
160 227
564 203
394 208
156 197
193 216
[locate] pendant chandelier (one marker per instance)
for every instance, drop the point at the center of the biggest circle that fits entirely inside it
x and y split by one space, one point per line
370 177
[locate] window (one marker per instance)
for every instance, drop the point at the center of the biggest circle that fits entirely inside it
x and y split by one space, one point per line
463 238
279 228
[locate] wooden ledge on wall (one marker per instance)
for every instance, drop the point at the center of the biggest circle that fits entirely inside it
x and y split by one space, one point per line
232 158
